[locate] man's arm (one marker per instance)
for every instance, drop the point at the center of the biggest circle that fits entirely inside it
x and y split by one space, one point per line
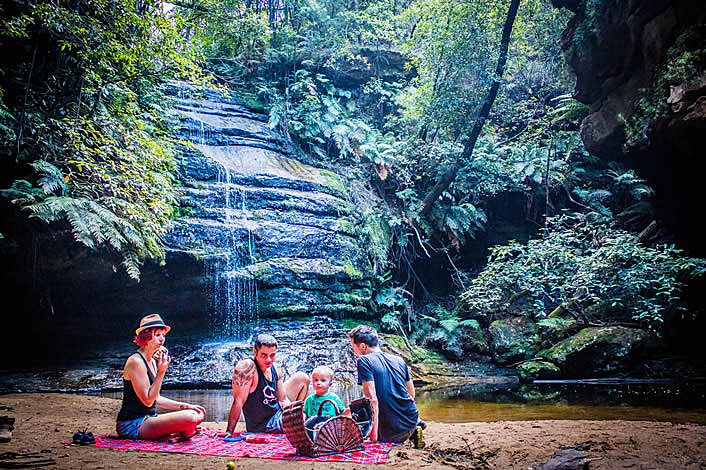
243 377
369 393
280 392
410 388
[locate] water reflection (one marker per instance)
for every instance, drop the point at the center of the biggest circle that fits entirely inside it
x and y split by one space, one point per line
678 403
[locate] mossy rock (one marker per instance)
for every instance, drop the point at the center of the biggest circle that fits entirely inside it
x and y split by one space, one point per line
597 350
513 339
473 339
538 370
425 366
553 330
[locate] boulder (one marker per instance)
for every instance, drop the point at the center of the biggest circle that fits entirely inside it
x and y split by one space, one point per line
639 67
473 339
566 459
538 370
553 330
597 350
513 339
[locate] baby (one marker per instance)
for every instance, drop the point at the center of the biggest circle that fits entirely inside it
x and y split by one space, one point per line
321 379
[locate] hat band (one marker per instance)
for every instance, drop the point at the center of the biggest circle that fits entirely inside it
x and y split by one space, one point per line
153 323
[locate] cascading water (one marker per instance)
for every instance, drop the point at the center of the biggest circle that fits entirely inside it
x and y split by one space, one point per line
234 288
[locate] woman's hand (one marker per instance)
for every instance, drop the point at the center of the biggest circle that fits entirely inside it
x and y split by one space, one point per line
163 362
196 408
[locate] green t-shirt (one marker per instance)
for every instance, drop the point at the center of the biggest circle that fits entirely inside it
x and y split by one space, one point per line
312 403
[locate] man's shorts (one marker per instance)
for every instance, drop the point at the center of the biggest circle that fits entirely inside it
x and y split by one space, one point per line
397 438
274 425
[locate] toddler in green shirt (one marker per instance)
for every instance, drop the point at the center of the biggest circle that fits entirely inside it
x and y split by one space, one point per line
321 379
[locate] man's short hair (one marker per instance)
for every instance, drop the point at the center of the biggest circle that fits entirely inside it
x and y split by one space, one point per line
364 334
264 339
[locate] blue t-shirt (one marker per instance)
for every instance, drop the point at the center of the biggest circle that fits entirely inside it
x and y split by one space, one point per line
397 412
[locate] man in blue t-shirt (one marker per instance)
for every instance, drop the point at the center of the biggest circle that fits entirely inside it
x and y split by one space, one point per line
387 384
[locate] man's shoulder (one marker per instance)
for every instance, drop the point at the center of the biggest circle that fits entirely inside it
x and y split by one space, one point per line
244 373
245 364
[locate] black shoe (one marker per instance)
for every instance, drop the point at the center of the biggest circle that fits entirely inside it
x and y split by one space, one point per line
83 438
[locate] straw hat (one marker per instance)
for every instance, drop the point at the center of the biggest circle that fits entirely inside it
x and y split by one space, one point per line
151 321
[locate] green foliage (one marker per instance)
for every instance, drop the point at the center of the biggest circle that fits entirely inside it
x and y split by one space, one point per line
579 264
89 118
442 330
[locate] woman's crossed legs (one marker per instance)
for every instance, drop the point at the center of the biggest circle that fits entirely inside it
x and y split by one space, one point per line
184 423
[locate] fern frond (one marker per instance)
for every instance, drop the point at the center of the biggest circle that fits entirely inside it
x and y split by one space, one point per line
22 189
131 263
568 109
51 178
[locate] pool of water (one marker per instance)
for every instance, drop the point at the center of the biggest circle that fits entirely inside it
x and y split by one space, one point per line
678 403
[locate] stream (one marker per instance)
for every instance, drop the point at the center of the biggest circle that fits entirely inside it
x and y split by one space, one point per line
677 403
203 363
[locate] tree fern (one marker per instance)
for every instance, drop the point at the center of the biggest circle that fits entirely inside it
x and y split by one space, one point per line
94 225
22 190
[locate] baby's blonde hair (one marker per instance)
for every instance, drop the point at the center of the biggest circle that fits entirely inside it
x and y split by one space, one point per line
323 370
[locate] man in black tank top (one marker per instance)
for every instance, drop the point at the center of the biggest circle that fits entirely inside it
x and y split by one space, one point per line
259 391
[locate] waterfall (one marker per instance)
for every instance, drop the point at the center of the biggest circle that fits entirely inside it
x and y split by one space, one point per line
232 289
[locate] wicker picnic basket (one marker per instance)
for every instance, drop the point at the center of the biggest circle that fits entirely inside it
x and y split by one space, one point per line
323 435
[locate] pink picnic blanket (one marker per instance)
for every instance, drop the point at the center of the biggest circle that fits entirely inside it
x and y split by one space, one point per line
276 447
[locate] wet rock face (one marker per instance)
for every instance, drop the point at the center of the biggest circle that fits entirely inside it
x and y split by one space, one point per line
616 49
276 236
200 362
639 66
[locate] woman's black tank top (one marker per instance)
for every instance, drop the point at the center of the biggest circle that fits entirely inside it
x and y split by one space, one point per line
132 407
262 403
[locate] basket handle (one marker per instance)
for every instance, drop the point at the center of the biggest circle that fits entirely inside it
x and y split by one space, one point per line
321 406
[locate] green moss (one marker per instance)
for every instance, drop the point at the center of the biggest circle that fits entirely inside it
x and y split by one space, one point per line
417 355
357 297
537 369
250 101
351 270
378 232
335 182
556 324
347 225
350 323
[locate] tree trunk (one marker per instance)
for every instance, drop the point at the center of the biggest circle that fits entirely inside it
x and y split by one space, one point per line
450 174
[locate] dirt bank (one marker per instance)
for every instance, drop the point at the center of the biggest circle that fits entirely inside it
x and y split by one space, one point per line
43 421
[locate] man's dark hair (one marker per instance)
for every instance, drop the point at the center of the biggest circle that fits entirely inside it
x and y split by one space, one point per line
364 334
265 340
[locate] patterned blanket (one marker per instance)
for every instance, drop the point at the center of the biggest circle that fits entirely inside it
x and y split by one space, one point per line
274 447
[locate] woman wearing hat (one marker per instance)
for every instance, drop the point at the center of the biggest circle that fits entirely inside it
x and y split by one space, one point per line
142 381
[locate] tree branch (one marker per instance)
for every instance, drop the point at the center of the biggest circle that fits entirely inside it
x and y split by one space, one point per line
450 174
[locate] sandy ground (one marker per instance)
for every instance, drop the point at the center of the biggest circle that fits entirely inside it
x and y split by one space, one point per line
43 421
